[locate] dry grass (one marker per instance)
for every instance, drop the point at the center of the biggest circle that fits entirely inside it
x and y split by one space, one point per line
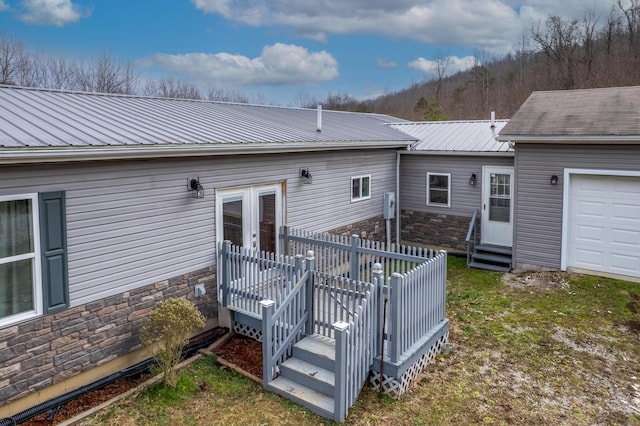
527 350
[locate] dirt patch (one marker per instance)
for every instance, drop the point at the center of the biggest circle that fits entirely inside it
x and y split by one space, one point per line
547 280
244 352
634 306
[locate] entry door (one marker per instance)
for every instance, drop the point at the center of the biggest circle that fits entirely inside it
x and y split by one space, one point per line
497 206
250 216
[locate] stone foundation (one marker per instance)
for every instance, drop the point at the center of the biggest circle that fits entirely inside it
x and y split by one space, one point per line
48 349
437 230
370 229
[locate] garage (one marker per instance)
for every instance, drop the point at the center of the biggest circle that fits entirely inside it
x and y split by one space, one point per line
604 223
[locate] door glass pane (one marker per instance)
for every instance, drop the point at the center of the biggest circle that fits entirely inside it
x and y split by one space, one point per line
267 222
16 289
232 221
500 198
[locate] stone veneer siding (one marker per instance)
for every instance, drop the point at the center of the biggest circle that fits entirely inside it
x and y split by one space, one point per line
371 229
438 230
51 348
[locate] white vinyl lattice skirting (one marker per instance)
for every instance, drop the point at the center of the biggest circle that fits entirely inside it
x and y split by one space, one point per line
395 387
248 331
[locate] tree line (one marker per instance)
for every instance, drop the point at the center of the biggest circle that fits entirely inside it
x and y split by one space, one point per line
558 54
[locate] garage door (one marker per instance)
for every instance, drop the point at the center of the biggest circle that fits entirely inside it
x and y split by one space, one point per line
604 224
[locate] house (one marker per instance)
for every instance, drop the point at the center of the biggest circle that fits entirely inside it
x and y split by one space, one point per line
577 181
111 203
456 168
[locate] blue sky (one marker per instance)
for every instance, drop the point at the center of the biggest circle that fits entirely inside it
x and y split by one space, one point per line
277 51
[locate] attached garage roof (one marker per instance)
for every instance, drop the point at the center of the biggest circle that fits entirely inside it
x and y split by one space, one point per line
596 115
456 137
48 124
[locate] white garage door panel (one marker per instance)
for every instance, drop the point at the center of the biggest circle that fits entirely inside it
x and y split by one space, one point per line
604 224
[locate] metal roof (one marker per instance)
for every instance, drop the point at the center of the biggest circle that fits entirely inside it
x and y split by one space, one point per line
50 120
477 136
607 114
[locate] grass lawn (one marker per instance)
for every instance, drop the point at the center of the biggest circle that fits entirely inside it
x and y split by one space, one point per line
538 348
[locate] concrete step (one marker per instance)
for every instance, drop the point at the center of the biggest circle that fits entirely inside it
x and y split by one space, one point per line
318 402
309 375
317 350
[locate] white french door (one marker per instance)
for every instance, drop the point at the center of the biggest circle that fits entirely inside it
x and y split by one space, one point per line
497 206
250 216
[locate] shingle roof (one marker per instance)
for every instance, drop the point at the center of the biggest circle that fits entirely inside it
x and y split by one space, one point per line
605 114
455 136
49 119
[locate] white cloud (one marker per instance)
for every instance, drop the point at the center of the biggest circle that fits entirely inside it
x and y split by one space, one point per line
279 64
385 63
451 64
51 12
3 6
489 25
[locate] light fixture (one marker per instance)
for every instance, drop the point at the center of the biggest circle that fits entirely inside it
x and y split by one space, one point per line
197 191
554 180
473 179
305 176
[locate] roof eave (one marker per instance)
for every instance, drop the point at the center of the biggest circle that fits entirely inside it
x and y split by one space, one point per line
74 154
464 153
595 139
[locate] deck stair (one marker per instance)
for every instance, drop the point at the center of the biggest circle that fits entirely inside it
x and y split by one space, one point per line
308 377
491 258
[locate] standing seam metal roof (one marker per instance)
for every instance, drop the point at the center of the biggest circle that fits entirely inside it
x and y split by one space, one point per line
40 118
455 136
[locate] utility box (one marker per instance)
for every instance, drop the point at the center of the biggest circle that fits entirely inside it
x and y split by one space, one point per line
389 209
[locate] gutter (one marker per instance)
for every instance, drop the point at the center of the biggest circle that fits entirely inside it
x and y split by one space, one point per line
56 155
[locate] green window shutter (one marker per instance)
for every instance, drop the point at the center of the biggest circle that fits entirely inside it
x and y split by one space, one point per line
53 246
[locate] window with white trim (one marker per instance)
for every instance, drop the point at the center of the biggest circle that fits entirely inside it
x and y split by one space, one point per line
20 295
33 256
439 189
360 188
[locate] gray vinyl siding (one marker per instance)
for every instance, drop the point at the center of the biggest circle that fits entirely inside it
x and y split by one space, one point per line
133 223
464 197
538 205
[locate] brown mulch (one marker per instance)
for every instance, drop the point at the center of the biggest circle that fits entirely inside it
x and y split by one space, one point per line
244 352
120 386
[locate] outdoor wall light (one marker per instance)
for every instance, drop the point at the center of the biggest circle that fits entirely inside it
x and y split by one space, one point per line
473 179
305 176
197 191
554 180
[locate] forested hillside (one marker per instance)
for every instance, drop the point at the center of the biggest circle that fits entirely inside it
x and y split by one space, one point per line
592 52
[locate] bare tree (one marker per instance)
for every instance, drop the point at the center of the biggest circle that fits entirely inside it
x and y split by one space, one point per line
104 74
12 59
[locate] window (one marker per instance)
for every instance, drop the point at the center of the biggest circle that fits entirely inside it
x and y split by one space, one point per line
438 189
19 257
33 263
360 188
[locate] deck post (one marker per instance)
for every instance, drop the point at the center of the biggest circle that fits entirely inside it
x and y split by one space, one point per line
310 293
341 331
395 328
354 273
226 271
267 306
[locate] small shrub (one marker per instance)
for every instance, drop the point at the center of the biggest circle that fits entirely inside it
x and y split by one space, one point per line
166 333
